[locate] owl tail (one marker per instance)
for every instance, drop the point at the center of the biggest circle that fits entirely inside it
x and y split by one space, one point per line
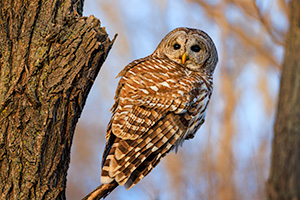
101 191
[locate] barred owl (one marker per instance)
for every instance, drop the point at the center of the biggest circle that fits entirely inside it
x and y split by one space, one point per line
160 101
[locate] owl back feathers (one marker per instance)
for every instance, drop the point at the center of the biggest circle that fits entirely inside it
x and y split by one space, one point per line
158 104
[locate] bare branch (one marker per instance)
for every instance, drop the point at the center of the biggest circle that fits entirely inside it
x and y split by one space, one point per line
101 191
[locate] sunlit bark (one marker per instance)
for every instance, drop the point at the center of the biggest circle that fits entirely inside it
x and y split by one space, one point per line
49 58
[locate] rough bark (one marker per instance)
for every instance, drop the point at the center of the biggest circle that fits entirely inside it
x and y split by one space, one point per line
284 178
49 58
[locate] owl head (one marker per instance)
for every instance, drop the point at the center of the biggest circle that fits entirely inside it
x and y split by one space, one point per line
191 48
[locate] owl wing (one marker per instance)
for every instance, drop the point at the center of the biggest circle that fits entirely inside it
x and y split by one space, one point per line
150 115
147 91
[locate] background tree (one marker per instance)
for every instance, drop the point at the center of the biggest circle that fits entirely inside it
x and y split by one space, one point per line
49 58
284 178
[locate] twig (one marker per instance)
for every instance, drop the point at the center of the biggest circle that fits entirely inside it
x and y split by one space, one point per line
101 191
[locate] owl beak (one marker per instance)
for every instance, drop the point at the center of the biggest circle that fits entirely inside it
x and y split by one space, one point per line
183 58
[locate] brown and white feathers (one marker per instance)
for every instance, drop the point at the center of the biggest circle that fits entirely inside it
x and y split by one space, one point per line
160 101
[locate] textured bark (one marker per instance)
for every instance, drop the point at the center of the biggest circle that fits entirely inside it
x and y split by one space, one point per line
284 178
49 58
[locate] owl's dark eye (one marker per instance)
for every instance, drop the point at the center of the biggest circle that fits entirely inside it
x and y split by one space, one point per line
195 48
176 46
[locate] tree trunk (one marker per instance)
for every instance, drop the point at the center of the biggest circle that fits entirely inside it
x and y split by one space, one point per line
49 58
284 178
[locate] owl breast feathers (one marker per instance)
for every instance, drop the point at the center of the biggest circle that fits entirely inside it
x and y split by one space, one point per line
160 101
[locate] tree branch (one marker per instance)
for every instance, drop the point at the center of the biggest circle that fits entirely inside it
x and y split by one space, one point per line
101 191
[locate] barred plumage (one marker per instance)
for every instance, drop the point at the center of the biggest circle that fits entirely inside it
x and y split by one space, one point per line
160 101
